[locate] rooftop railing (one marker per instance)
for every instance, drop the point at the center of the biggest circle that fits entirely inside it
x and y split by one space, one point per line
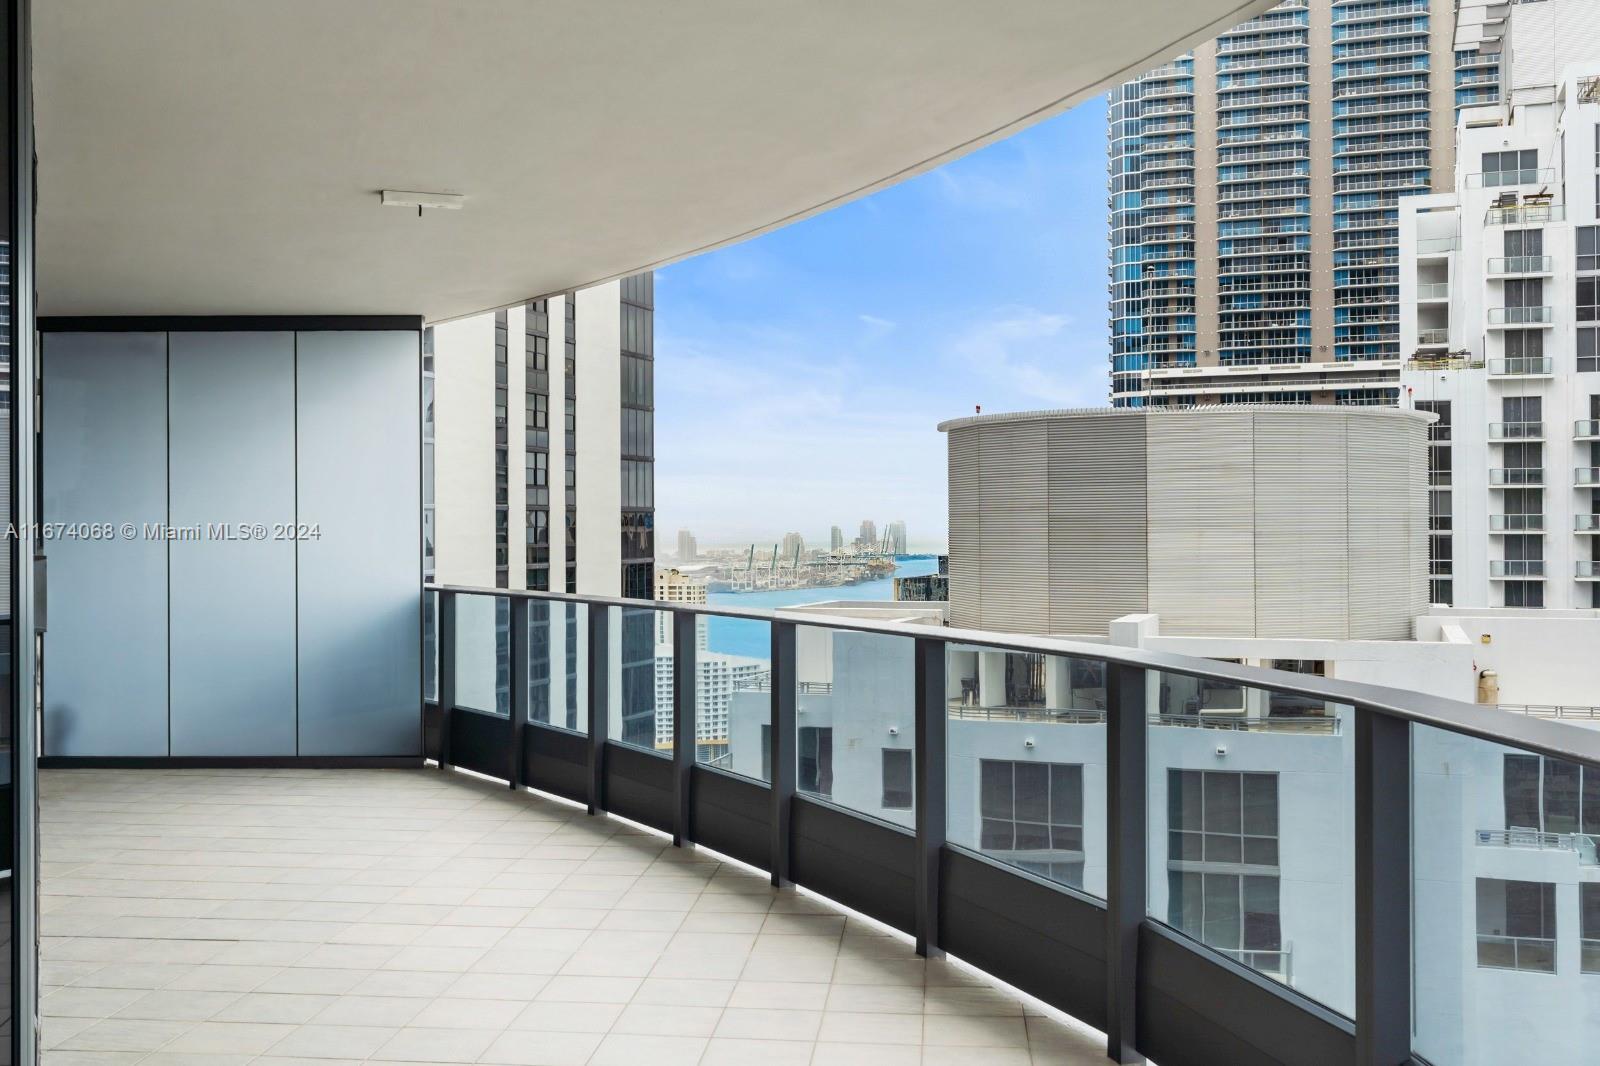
1580 844
1076 864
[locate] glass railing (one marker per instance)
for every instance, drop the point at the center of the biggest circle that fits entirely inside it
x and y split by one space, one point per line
1586 427
1587 569
1025 803
1432 338
1516 567
1437 245
1516 475
1437 290
1524 214
1516 430
1586 475
1520 264
1586 523
1518 316
1516 523
1521 366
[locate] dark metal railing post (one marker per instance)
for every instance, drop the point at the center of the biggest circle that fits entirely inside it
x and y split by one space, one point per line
683 724
447 672
519 689
928 786
1127 734
598 666
781 746
1383 889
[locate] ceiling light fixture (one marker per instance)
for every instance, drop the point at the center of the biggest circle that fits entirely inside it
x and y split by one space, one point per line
445 201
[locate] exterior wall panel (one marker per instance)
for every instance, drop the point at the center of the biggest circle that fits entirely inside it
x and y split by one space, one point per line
966 501
231 412
1302 562
1013 552
105 461
1202 519
360 579
1097 569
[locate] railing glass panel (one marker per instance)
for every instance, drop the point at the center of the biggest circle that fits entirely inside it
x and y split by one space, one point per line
1251 843
855 721
558 656
1504 896
482 641
641 671
430 646
733 695
1025 744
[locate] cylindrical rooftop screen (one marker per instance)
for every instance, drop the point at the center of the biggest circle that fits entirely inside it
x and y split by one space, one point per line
1239 521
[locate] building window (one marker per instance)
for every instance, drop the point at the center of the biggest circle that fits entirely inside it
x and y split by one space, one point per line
1589 299
1235 914
1220 816
1550 795
814 766
1510 168
897 779
1588 244
1516 925
1589 350
1589 916
1524 593
1288 705
1031 816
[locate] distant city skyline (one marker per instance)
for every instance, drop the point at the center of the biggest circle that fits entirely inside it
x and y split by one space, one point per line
898 532
800 375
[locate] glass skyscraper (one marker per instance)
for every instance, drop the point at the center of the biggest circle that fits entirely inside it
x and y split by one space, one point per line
1254 186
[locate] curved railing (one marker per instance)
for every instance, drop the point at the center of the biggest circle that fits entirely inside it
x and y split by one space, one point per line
1143 866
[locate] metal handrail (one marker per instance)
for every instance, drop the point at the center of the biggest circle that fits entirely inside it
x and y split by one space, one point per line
1552 710
1543 736
1581 844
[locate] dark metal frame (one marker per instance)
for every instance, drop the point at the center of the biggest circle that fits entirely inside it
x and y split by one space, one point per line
1155 991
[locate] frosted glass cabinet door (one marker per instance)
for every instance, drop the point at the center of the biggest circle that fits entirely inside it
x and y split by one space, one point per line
231 402
105 467
360 579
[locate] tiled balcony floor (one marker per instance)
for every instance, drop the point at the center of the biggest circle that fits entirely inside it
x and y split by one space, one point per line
288 916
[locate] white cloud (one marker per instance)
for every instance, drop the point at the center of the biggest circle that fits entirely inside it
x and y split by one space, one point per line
759 436
1032 356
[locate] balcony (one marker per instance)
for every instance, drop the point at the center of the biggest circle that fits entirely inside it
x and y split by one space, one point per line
1579 844
1433 247
1521 367
1519 316
1587 570
1433 291
1520 265
1586 429
1501 569
1433 338
1524 215
1586 523
1516 475
1584 476
1516 523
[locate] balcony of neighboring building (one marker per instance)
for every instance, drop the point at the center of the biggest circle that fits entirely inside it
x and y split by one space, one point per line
1503 476
1520 317
1516 569
1523 266
1522 367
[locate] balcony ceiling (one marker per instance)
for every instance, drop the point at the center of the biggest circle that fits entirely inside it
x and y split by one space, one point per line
225 156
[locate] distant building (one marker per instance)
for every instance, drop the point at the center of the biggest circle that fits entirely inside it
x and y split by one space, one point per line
688 549
1253 191
717 677
793 545
835 539
869 534
1213 517
1500 304
897 538
925 588
673 586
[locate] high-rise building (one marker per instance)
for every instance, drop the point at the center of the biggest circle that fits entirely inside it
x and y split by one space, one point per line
1254 191
897 538
490 502
794 546
1500 288
688 549
868 537
835 539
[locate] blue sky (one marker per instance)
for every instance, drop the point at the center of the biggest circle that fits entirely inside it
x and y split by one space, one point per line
799 375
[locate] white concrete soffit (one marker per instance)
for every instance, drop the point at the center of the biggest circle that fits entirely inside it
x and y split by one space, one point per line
225 156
